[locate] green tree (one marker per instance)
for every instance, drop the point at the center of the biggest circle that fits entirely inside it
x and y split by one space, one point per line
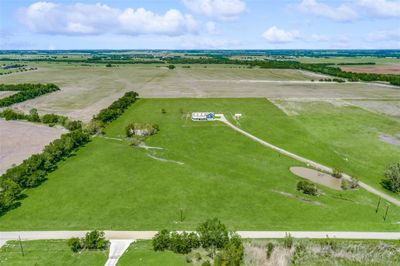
307 187
162 240
213 234
232 254
75 244
95 240
33 115
392 178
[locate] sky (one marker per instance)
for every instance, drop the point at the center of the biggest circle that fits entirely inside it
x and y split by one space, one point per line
199 24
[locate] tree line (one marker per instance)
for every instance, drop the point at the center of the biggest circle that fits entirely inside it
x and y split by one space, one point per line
32 171
25 92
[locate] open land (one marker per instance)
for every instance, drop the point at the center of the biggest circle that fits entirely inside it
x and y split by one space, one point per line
223 173
383 69
86 89
18 140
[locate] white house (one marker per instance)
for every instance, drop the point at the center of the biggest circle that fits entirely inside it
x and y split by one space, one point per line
203 116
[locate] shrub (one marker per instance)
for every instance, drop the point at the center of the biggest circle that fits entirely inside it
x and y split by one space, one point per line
75 244
392 178
213 234
233 251
95 240
10 114
307 187
349 184
171 67
337 173
288 241
163 111
33 115
270 249
161 241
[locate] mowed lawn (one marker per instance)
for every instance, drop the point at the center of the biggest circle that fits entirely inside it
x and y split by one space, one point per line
48 252
205 170
142 253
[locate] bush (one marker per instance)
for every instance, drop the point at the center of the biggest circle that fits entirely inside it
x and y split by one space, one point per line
337 173
233 251
163 111
349 184
270 249
213 234
161 241
95 240
307 187
142 130
75 244
288 241
392 178
10 114
171 67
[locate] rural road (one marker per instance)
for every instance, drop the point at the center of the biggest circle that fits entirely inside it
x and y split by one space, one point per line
146 235
309 162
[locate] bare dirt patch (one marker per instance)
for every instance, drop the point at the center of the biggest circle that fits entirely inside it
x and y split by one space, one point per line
19 140
392 140
389 69
317 177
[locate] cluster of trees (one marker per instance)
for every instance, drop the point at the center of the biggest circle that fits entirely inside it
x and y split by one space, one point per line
93 240
50 119
116 108
144 130
307 187
226 248
333 80
392 178
32 171
26 91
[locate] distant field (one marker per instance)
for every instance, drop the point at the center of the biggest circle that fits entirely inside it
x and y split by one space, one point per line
382 69
335 60
87 89
206 169
4 94
48 252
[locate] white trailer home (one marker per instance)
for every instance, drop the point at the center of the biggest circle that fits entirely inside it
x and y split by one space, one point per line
203 116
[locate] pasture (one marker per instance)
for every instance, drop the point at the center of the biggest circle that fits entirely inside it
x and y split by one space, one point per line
204 170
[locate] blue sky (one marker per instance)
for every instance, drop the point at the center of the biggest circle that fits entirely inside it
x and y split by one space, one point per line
200 24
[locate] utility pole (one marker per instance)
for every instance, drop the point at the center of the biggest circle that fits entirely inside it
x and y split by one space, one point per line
377 207
181 211
20 245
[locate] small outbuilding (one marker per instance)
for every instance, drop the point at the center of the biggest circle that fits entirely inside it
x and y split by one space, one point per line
237 116
203 116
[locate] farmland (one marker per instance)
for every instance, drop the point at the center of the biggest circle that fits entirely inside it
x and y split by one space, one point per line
85 89
111 185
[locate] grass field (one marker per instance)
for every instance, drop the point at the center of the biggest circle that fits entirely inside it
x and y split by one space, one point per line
211 171
48 252
142 253
359 59
85 89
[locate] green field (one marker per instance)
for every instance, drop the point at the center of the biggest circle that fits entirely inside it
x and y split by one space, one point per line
142 253
48 252
211 171
359 59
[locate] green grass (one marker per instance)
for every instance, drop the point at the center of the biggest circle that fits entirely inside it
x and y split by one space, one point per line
110 185
343 137
142 253
359 59
48 252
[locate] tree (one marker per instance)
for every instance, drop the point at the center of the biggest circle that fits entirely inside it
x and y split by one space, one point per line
171 67
392 178
95 240
307 187
213 234
232 254
33 115
75 244
161 241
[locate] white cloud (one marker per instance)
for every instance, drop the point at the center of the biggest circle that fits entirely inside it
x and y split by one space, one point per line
91 19
276 35
219 9
380 8
211 27
341 13
384 35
